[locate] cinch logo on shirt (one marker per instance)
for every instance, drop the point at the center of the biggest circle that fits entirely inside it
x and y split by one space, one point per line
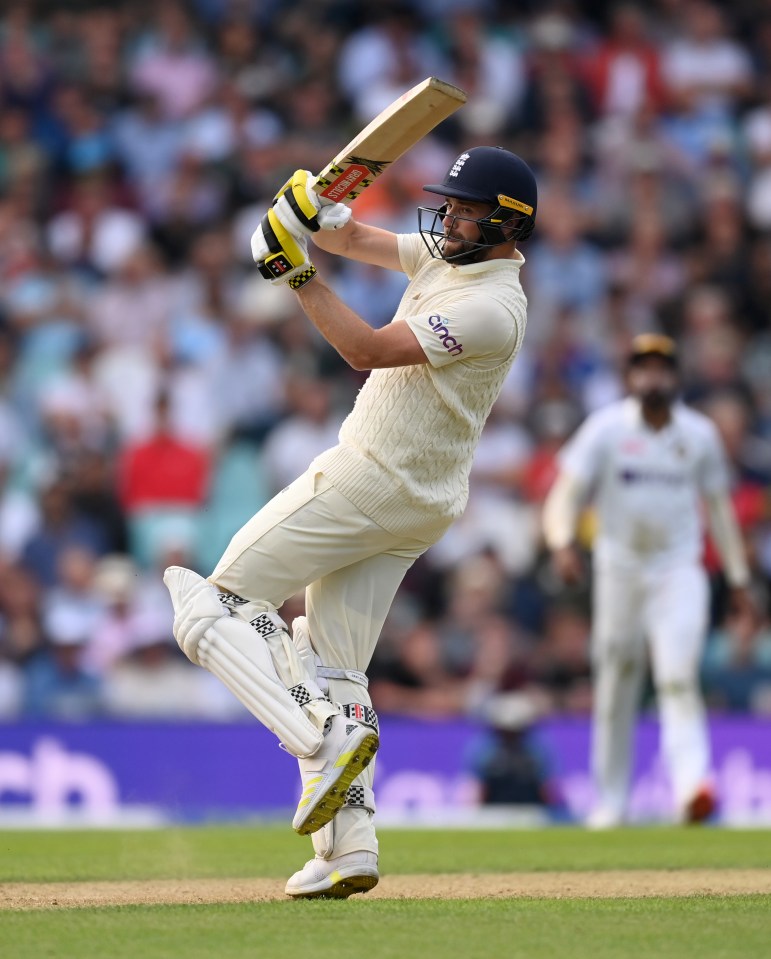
439 326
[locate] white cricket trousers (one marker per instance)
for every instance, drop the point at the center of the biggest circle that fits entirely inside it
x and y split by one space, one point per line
310 536
668 609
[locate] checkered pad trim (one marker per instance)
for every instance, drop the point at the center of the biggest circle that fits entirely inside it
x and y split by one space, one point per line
231 600
300 694
302 278
264 624
361 797
354 796
362 714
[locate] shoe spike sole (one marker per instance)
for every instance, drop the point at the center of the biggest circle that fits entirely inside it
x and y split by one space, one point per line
342 889
330 804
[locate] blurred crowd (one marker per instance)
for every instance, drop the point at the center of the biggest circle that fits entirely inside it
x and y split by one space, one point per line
155 392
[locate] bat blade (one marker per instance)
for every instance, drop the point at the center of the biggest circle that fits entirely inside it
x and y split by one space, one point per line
393 131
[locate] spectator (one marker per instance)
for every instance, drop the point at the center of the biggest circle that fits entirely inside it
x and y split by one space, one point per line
163 482
173 65
56 685
61 527
624 71
704 68
152 679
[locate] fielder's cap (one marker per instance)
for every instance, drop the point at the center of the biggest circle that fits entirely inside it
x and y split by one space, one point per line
653 344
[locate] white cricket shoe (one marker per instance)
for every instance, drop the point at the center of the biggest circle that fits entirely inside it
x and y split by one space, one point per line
348 748
335 878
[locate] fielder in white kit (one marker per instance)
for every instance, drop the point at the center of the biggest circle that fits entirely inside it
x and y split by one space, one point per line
350 527
649 463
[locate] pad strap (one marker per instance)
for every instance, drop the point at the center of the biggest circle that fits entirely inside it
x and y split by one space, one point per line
360 796
354 675
232 601
362 714
300 694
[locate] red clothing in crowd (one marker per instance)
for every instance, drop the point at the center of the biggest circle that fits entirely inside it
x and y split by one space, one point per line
164 471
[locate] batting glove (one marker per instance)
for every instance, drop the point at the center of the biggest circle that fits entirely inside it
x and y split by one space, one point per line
280 256
302 211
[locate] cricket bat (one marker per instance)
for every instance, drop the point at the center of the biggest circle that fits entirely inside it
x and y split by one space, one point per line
393 131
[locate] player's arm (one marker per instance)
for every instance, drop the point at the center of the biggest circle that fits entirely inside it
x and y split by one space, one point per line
579 462
714 485
359 241
303 213
561 511
727 536
361 346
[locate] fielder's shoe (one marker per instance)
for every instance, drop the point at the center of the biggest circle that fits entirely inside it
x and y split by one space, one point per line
335 878
348 748
701 805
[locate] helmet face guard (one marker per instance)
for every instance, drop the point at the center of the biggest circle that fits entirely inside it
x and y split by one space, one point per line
496 228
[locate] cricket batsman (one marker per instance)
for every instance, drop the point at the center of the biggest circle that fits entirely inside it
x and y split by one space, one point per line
351 526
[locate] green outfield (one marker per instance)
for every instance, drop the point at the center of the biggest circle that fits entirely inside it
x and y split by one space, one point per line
217 891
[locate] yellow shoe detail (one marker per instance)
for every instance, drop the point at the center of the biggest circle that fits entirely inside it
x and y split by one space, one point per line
343 759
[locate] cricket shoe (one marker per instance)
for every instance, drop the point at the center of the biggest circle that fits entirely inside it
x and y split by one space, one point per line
701 805
335 878
348 748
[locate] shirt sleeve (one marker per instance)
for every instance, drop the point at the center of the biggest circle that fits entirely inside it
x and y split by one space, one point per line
412 252
581 457
474 328
712 475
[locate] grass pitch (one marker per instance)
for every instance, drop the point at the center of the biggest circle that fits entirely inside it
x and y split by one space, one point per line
709 926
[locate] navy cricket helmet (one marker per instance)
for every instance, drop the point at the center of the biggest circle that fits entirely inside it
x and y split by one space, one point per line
494 176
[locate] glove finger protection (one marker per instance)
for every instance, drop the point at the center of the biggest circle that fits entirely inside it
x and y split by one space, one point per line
303 212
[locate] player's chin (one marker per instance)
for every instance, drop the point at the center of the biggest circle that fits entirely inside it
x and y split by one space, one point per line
452 247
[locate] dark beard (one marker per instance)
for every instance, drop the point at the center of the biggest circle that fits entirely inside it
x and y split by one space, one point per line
657 399
472 255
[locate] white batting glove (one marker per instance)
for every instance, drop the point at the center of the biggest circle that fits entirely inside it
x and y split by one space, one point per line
303 212
281 257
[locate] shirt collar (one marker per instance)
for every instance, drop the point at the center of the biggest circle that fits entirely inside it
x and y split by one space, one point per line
467 269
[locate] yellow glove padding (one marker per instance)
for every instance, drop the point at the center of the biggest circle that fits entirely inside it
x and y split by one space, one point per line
302 202
280 256
303 211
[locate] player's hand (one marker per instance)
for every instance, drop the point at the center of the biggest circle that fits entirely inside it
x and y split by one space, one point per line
567 564
302 211
280 256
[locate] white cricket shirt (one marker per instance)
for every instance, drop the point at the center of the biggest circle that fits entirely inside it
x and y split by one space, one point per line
647 484
406 448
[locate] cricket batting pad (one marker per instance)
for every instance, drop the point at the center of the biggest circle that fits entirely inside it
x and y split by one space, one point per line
239 657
